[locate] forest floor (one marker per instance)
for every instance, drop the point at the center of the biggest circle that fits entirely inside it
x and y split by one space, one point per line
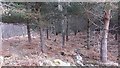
17 51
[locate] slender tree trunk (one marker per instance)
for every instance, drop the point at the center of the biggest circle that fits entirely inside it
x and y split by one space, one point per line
116 35
118 30
63 33
28 32
88 35
63 39
60 7
75 32
41 39
67 31
1 57
1 12
47 33
0 36
105 36
118 58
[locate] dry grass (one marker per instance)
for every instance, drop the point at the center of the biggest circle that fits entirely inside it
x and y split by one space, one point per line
18 50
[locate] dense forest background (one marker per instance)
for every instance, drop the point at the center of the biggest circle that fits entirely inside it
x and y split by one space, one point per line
79 33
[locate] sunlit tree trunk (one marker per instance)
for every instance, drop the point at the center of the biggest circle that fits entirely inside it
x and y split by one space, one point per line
1 8
0 39
105 36
0 36
1 57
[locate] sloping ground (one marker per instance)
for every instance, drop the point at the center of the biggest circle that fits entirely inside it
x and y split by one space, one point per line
18 51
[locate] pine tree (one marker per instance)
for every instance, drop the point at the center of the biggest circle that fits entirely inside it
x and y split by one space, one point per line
106 19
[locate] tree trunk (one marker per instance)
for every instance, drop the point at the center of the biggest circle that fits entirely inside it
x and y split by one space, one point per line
41 40
47 33
88 35
1 12
67 31
1 57
0 36
118 58
118 30
105 36
75 32
60 8
63 33
116 35
28 32
63 39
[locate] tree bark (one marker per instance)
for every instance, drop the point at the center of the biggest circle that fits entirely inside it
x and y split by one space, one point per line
116 35
118 30
41 40
67 32
1 57
1 12
60 7
0 36
88 35
63 33
105 36
47 33
28 32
